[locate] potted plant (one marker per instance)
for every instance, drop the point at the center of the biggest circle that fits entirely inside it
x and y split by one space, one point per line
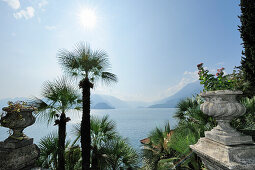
220 103
17 116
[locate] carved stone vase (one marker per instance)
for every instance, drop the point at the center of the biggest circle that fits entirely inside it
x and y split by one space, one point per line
18 151
223 106
17 122
223 148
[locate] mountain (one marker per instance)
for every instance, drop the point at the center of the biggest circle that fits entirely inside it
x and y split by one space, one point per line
97 101
115 102
102 106
187 91
109 100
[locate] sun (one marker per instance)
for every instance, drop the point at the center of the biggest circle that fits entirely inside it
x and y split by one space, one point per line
87 18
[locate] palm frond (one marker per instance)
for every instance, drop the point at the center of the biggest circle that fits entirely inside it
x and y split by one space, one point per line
85 62
58 97
48 151
108 78
69 62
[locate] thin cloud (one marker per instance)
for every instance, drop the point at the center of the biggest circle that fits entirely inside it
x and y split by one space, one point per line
15 4
27 14
42 4
188 77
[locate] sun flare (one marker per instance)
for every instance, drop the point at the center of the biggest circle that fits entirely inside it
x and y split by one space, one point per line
87 18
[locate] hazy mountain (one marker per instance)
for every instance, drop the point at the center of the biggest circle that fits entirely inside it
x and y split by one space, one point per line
115 102
186 91
107 102
97 101
110 100
102 106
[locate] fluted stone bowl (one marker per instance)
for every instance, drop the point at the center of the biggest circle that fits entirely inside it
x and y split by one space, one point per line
223 106
18 121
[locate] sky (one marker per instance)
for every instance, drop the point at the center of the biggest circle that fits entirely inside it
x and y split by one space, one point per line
153 45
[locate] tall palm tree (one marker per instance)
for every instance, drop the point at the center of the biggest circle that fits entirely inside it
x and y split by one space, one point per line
90 66
58 97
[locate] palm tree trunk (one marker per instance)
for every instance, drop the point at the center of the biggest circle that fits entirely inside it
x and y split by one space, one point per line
85 124
61 142
94 159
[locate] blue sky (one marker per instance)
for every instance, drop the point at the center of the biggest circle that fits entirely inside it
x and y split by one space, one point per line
153 46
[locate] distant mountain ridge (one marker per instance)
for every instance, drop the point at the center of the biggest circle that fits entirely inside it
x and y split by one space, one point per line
102 106
99 101
186 91
115 102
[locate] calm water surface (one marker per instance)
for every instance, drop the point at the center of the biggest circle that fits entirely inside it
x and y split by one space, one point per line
134 124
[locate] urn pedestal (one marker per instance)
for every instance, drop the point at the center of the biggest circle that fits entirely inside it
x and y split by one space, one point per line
223 147
18 151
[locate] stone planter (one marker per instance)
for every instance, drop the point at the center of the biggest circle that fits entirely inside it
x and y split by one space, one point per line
18 152
224 148
17 122
223 106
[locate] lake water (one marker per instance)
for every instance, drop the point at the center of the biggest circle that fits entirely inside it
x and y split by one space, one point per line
134 124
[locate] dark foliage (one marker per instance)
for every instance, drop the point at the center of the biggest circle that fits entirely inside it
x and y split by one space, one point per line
247 30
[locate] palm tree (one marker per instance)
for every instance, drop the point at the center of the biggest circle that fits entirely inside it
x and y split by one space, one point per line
58 97
191 126
48 152
156 149
108 148
119 155
90 66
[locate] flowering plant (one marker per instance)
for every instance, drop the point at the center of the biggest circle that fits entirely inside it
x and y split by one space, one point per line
210 82
15 108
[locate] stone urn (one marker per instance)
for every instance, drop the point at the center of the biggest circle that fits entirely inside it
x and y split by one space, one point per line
17 121
223 148
18 152
223 106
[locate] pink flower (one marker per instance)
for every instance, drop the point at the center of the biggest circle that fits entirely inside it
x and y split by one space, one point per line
200 65
217 74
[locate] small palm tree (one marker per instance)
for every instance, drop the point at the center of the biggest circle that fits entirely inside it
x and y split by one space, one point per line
119 155
109 150
90 66
156 149
191 126
102 130
58 97
48 152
